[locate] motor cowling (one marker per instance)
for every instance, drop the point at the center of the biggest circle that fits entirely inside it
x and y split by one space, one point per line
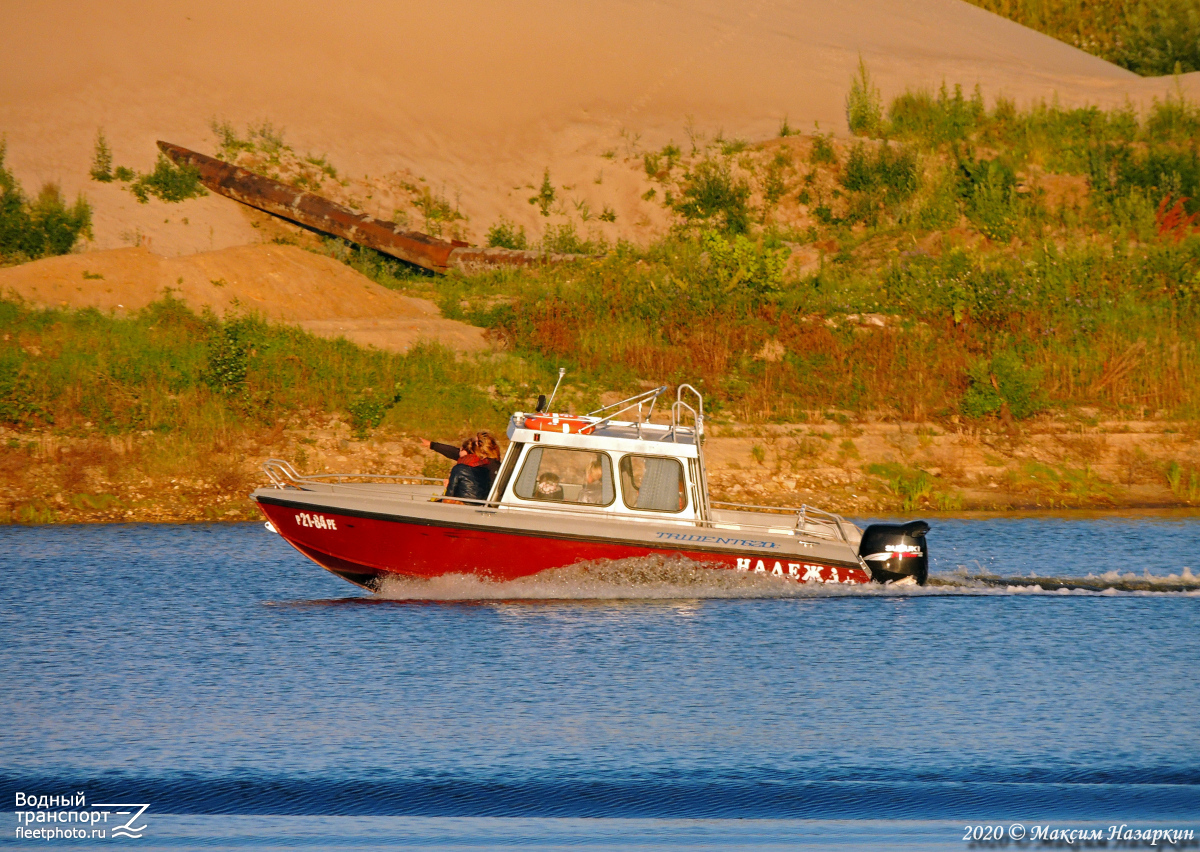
896 552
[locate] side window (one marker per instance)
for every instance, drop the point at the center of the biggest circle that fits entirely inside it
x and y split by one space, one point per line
654 483
566 476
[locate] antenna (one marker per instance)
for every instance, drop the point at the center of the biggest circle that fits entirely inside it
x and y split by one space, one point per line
562 371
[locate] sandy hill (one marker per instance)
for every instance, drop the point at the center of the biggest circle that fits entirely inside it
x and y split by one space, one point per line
282 283
475 99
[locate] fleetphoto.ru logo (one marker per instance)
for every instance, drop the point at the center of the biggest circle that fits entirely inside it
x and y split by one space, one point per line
70 817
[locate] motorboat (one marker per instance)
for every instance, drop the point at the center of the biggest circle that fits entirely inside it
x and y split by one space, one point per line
611 484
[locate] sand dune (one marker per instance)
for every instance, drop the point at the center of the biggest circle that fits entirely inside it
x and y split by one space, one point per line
478 98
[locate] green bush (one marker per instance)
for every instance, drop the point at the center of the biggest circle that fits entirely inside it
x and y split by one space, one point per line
102 160
944 118
938 206
545 195
822 152
864 107
712 195
1158 172
228 362
368 409
989 190
1161 37
42 227
437 211
775 180
890 171
1149 37
1184 482
17 404
736 263
505 234
999 382
1173 119
563 239
263 138
168 182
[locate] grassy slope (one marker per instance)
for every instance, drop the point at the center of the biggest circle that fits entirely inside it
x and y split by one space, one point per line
974 268
1149 37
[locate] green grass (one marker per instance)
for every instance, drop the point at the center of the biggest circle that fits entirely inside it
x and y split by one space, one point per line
437 211
915 488
174 372
506 234
1184 481
1114 326
168 182
999 296
1003 301
1149 37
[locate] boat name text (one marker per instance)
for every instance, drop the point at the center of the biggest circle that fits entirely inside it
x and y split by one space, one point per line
715 539
812 573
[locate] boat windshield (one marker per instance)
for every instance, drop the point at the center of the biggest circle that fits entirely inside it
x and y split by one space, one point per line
562 475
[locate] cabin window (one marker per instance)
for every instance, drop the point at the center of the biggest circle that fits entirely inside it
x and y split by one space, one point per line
654 483
560 475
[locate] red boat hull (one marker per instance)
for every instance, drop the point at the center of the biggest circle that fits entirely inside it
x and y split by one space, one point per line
363 549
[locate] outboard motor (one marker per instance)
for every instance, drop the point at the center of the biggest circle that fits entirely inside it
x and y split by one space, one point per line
896 552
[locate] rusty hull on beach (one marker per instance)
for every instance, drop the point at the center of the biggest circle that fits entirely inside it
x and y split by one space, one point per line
321 214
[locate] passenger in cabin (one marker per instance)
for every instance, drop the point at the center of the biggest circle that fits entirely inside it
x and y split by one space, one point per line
628 486
470 479
549 487
593 487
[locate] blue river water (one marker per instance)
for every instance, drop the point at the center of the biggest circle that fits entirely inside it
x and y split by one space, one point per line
254 700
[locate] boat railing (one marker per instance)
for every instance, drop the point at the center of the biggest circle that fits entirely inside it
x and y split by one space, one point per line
809 520
685 417
696 411
636 401
283 475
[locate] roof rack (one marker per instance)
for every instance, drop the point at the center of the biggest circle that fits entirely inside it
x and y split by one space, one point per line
637 400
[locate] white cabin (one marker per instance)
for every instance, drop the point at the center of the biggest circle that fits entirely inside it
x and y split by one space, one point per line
596 463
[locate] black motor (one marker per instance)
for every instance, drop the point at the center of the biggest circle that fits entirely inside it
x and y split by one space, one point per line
895 552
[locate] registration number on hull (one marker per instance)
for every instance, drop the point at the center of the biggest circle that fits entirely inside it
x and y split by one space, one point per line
319 522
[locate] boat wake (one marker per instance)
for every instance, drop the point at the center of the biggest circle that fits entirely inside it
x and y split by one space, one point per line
674 578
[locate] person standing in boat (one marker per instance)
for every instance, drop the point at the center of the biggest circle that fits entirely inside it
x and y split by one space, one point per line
469 479
479 460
